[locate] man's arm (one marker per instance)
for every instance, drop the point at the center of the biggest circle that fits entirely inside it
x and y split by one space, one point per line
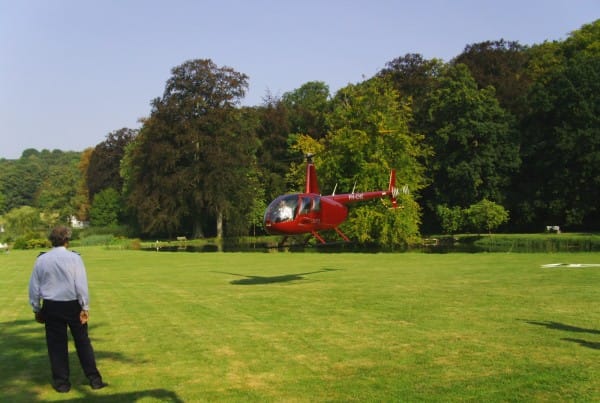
81 286
35 296
34 291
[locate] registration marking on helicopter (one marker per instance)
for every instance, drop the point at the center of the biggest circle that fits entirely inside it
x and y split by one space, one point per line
356 196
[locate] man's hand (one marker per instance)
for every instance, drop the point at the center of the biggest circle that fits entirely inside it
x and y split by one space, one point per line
39 317
84 316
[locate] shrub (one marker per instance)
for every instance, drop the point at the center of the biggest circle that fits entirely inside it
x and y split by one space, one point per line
31 243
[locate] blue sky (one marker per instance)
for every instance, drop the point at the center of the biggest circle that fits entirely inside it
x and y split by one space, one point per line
72 71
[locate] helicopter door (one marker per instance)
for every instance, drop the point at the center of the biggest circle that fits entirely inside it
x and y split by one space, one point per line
305 205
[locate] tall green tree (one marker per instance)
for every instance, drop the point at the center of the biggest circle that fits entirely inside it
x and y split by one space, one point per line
21 179
57 193
273 155
105 160
369 135
474 141
414 77
502 65
82 196
307 109
188 170
560 178
106 208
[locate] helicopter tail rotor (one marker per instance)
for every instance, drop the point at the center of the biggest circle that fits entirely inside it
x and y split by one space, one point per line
393 191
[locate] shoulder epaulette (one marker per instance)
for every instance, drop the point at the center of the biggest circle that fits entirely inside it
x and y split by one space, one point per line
41 253
75 252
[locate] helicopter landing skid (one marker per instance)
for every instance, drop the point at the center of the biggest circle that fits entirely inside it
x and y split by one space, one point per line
340 233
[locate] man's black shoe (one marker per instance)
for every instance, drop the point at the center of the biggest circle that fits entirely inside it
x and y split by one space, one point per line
62 388
98 384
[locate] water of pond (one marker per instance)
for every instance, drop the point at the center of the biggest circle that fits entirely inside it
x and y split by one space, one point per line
517 246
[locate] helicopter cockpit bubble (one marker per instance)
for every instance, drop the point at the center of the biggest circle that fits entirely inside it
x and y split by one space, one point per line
282 209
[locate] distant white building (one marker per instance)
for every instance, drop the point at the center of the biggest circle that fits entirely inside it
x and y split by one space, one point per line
75 223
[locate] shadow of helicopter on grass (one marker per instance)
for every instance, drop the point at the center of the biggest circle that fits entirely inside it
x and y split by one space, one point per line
255 280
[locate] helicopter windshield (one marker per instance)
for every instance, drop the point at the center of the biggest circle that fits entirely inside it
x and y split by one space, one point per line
282 209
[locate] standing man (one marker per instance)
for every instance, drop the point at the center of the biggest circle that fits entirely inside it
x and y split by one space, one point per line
59 280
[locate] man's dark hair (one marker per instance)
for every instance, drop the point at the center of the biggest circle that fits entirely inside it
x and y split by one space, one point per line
60 235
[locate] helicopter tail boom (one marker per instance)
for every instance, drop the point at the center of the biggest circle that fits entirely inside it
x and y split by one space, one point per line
392 192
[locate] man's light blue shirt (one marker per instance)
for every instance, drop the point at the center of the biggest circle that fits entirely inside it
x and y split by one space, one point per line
58 275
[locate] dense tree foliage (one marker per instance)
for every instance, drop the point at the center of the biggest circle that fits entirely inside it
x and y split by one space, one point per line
194 157
486 216
106 208
307 107
105 161
273 156
560 179
44 180
502 65
82 197
370 135
414 78
474 141
57 193
501 127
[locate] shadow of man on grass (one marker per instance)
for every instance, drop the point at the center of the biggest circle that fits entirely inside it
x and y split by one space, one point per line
161 395
24 361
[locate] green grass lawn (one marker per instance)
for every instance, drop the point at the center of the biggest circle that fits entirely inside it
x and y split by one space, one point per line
295 327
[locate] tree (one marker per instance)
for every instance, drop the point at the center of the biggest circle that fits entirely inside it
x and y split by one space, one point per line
502 65
22 220
486 215
560 179
190 164
369 135
21 180
451 218
474 141
2 203
273 155
414 77
105 160
106 208
82 196
57 193
307 108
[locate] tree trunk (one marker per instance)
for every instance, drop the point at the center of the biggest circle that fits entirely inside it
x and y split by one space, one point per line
219 225
220 231
198 233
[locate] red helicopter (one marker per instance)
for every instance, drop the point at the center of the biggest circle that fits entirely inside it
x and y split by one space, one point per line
309 212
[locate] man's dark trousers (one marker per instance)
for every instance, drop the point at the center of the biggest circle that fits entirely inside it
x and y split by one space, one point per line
58 315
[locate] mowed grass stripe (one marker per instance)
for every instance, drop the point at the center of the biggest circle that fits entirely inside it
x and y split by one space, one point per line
320 327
